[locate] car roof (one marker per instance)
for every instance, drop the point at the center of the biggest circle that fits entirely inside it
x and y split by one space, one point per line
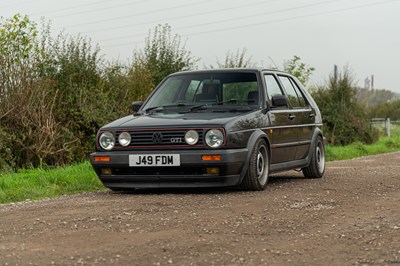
228 70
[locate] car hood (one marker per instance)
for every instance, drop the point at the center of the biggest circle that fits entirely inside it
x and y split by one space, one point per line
174 120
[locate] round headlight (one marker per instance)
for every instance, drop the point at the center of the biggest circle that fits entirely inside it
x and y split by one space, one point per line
107 141
191 137
124 138
214 138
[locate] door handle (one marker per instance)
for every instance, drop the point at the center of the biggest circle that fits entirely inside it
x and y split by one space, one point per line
292 116
311 115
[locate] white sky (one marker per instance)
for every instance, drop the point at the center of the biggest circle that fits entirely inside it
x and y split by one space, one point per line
363 34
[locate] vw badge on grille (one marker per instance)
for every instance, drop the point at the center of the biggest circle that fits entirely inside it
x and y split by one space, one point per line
157 137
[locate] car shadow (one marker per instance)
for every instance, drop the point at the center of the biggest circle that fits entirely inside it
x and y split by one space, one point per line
274 180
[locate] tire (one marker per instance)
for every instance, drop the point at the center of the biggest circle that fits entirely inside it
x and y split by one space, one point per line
316 169
257 175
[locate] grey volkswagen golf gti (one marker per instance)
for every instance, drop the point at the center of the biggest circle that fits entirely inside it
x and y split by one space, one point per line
213 128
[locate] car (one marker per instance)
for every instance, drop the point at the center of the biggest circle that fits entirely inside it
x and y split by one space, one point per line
213 128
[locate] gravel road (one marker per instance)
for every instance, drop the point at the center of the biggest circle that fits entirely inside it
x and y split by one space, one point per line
350 217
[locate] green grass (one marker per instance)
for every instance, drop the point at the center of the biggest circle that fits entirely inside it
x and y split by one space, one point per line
36 184
384 145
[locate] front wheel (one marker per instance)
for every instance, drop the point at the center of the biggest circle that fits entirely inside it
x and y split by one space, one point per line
316 168
257 175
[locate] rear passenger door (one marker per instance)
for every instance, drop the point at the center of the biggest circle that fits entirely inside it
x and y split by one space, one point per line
282 135
302 114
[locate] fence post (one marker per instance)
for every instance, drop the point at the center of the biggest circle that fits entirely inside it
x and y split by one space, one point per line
388 126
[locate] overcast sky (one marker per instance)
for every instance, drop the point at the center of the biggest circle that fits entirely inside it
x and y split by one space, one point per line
363 34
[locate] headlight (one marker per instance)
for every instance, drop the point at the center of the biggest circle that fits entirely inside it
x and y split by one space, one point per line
214 138
191 137
124 139
107 141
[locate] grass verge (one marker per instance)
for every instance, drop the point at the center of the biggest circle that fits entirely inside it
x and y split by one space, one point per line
357 149
39 183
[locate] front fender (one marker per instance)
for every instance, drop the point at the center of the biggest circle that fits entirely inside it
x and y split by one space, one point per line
258 134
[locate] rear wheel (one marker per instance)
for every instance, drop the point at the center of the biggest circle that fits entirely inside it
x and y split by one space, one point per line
316 168
257 175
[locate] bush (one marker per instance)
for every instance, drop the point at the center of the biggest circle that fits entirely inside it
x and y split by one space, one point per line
162 55
345 121
56 93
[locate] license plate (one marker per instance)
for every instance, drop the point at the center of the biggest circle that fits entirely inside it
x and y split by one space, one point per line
154 160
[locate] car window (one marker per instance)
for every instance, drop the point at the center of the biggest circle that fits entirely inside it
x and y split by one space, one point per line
168 94
241 92
302 99
192 90
273 88
212 90
292 93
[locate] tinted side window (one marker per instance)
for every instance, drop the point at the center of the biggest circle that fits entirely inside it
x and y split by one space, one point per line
240 91
295 97
303 101
273 88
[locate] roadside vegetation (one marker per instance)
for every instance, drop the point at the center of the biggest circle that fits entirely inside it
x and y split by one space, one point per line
55 93
37 183
359 149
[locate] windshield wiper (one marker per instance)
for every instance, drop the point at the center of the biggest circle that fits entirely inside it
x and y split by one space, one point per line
163 107
211 104
227 101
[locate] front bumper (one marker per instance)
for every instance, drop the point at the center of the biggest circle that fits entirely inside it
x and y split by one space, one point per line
192 172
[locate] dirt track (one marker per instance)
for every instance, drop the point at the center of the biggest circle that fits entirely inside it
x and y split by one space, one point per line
350 217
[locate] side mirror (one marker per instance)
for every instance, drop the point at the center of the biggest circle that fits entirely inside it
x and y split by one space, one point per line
279 101
136 105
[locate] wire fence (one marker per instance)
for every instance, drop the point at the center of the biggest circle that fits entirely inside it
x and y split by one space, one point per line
386 126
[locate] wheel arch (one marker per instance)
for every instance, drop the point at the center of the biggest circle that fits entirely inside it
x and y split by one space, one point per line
258 134
317 133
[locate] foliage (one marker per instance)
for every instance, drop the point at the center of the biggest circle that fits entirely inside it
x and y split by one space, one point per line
235 60
298 69
370 98
29 127
74 67
345 121
162 55
56 93
386 110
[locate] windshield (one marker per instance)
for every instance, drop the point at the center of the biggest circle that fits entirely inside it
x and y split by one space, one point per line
233 91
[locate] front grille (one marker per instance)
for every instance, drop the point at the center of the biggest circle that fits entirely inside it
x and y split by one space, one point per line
160 138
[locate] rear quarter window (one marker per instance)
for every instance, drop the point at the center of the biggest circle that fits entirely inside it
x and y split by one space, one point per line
293 92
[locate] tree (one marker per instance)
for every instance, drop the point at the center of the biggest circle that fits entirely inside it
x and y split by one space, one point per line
235 60
345 121
298 69
162 55
389 109
18 52
31 133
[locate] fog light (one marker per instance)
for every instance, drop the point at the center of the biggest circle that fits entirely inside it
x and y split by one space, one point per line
106 171
213 171
211 157
99 159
